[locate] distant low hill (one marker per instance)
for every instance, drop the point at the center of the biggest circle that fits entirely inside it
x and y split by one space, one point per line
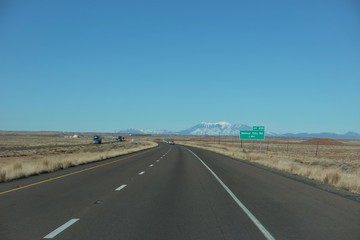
323 141
348 135
228 129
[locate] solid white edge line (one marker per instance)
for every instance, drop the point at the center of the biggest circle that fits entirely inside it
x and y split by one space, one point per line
61 228
141 173
263 230
121 187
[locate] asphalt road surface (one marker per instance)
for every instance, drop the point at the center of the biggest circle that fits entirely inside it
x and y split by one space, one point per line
172 192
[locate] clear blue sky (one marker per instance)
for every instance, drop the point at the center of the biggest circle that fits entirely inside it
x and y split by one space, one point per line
293 66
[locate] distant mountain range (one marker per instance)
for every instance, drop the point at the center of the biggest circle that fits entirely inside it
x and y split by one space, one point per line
222 128
228 129
146 132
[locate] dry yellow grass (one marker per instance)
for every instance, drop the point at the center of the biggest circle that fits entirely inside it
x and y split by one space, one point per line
338 165
28 154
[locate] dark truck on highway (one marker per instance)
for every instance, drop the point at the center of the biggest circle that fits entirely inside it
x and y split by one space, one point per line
97 139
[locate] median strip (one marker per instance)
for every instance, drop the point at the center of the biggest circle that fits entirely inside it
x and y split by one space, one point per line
67 175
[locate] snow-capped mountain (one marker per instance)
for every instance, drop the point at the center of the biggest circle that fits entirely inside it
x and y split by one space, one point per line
222 128
228 129
204 128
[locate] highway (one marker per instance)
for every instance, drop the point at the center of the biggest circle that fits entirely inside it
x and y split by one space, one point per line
172 192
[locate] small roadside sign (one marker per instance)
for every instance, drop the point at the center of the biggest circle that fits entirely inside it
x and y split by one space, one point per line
258 133
252 135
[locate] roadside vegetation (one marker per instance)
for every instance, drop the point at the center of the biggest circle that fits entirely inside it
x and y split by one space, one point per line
330 161
23 155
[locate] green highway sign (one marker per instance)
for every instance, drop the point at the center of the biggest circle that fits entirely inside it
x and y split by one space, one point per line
166 138
258 128
252 135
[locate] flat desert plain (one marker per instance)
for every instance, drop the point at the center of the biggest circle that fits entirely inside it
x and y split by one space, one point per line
26 154
334 162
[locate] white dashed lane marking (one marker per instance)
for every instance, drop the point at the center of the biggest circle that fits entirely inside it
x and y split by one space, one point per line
61 228
121 187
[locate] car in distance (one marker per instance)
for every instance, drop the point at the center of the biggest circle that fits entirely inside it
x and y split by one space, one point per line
97 139
172 143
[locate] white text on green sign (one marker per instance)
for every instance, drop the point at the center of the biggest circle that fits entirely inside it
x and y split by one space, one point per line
252 135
